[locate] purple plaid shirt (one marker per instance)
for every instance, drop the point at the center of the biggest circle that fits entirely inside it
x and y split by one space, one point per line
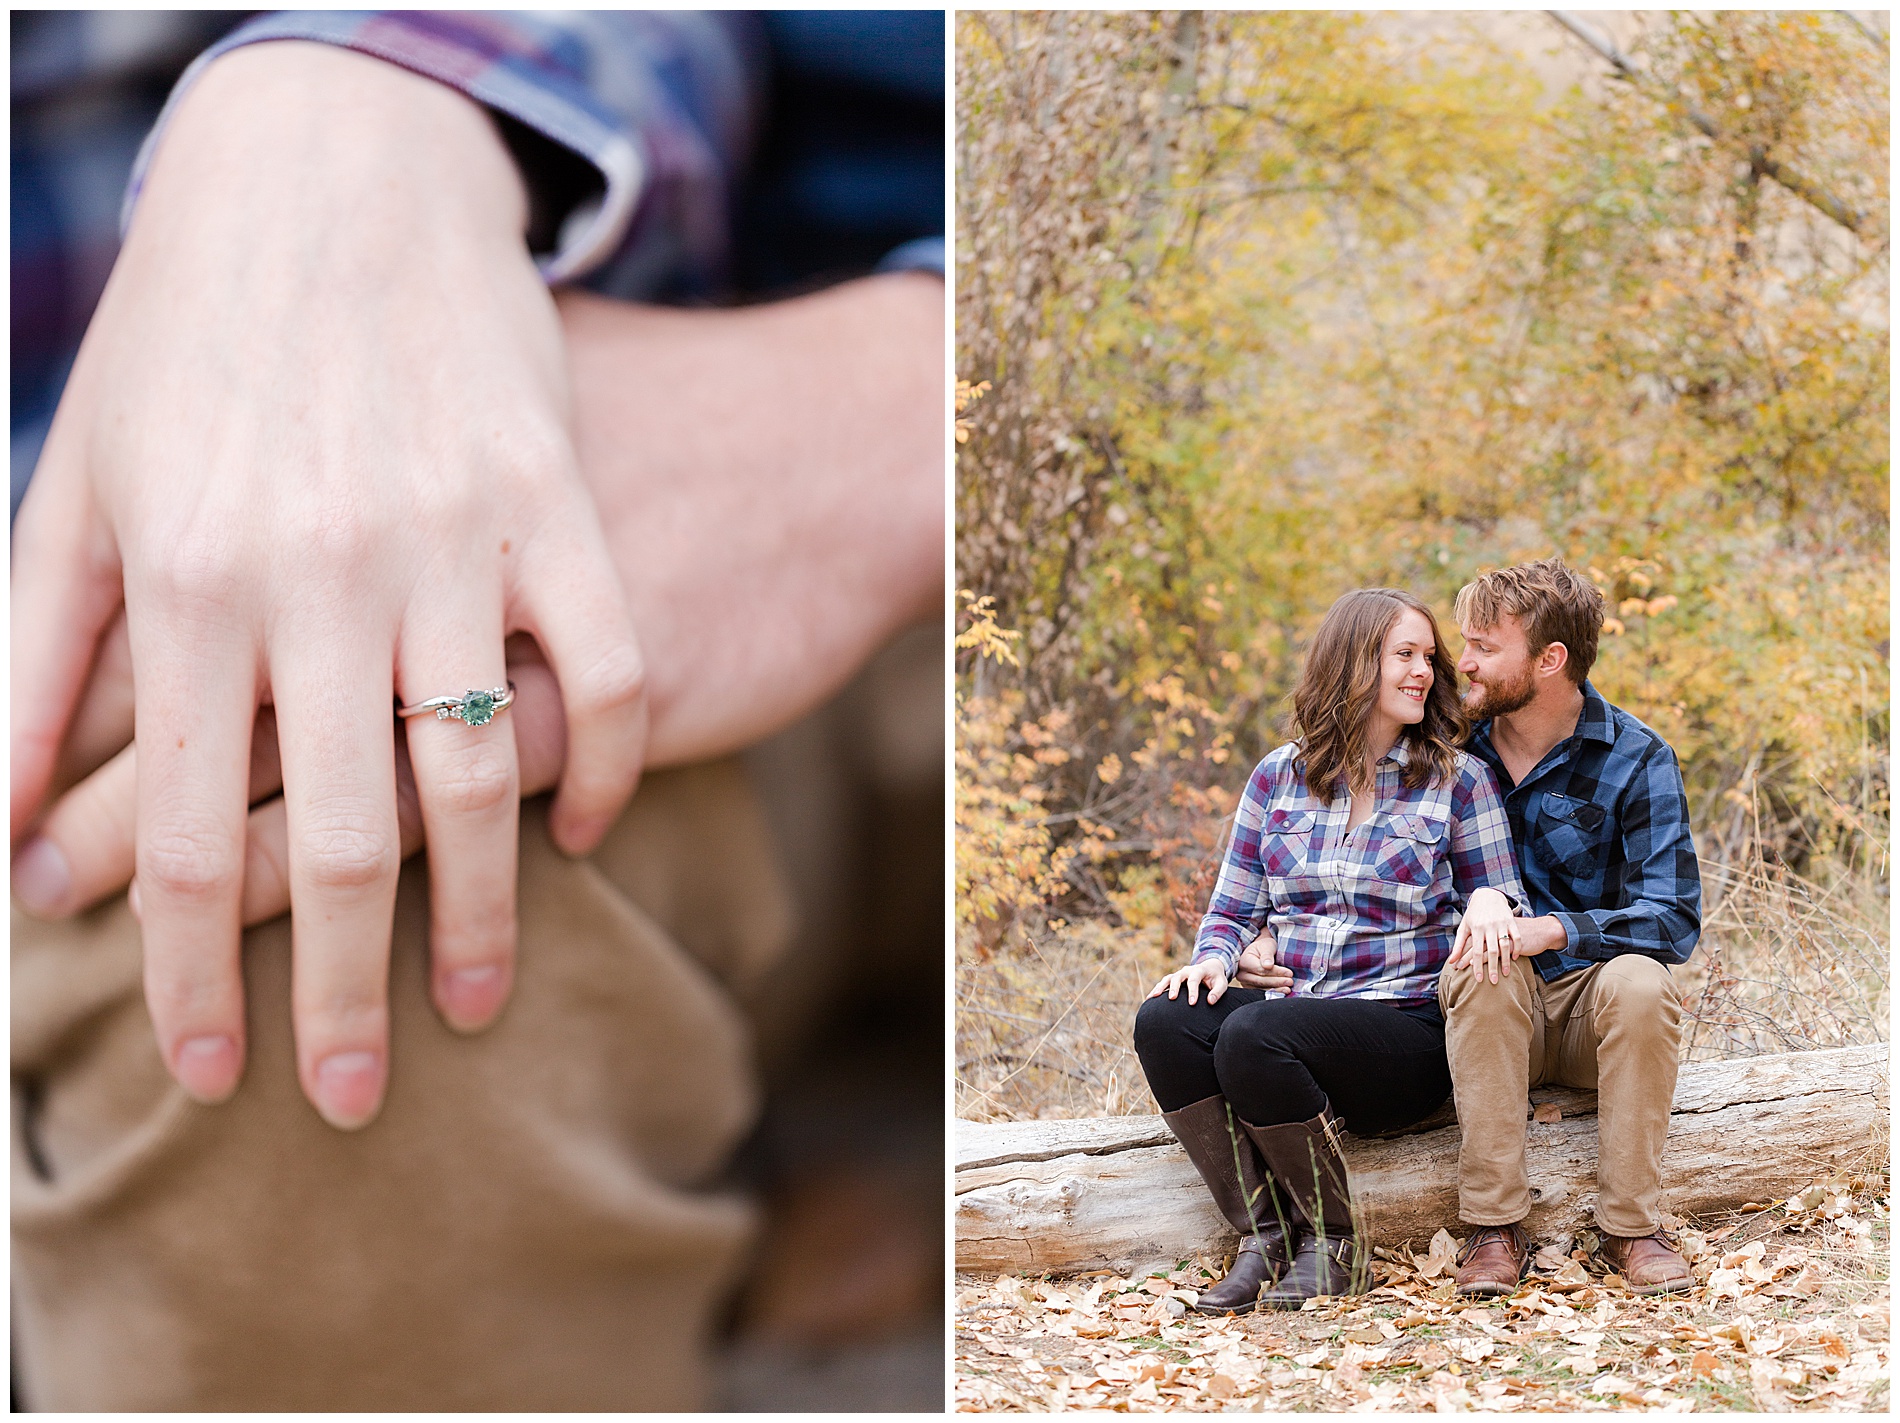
1366 913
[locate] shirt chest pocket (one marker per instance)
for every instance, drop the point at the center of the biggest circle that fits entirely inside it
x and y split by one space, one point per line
1284 840
1407 848
1572 835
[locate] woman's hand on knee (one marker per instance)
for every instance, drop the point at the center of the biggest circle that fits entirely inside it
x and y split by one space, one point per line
1205 973
1488 937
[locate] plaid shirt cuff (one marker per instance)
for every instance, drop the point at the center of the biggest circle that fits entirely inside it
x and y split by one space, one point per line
1585 940
530 67
1220 951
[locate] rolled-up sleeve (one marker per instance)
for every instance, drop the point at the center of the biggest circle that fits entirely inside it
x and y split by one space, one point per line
653 109
1657 910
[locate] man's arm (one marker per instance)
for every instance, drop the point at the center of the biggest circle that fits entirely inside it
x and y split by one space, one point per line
1658 903
770 485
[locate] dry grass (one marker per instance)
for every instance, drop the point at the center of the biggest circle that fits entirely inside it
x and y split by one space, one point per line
1785 963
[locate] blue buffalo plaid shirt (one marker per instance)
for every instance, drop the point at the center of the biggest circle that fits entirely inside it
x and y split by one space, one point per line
1601 826
1367 913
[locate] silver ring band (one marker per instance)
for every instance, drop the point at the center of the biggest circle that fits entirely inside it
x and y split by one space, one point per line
471 708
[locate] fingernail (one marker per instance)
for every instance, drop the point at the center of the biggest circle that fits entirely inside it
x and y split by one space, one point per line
575 835
471 997
42 879
207 1067
132 899
349 1088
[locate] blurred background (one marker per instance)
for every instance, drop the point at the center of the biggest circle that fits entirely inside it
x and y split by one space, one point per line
1253 309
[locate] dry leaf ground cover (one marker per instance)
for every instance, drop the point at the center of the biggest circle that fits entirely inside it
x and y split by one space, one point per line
1790 1312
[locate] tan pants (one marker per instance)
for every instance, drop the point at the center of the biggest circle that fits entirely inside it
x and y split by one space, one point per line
1613 1026
524 1226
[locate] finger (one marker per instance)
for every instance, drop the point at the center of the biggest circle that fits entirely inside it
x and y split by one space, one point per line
65 590
1193 988
102 722
1215 989
538 739
571 600
337 743
468 783
87 846
85 849
197 701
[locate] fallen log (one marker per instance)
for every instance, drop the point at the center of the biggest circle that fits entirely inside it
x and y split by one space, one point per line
1117 1193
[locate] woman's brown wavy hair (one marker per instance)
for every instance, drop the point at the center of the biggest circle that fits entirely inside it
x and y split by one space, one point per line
1339 687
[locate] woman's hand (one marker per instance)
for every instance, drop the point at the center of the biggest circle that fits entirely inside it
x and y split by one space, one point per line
1259 966
1488 937
317 432
1205 973
731 524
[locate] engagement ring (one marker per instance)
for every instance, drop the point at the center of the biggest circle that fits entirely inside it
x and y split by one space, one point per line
473 708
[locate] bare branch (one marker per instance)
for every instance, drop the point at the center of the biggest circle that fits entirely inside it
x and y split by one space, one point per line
1759 160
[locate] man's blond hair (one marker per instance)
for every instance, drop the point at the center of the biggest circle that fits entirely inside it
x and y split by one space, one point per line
1555 602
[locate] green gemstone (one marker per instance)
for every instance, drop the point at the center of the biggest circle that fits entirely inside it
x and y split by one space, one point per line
478 708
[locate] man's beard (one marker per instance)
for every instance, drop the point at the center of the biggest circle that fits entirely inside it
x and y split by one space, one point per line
1500 698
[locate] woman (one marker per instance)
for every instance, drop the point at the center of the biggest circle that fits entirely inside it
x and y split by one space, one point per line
1362 853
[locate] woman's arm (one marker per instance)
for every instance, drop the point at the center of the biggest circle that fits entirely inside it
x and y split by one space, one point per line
1241 902
1484 877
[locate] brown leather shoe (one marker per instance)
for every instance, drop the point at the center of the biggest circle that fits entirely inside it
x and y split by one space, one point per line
1492 1261
1649 1264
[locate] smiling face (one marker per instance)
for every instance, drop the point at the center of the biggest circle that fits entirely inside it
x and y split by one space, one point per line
1497 663
1405 672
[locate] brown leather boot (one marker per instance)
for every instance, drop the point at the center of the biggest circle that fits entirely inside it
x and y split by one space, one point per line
1310 1172
1493 1259
1241 1188
1649 1264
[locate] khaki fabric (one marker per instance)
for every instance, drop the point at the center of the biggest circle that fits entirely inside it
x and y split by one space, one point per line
1615 1027
525 1226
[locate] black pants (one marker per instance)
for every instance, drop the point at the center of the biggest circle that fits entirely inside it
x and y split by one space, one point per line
1283 1059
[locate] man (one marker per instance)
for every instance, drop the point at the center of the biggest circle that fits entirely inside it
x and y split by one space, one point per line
1601 825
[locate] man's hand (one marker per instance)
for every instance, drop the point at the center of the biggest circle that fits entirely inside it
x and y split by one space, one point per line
1259 966
1206 973
1489 937
811 466
318 434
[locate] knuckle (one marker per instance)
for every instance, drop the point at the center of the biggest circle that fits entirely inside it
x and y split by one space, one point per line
531 451
476 782
612 682
195 569
344 852
189 863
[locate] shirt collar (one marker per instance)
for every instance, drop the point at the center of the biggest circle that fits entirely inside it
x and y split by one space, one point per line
1595 722
1401 752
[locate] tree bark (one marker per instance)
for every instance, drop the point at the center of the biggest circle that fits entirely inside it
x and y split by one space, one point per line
1117 1193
